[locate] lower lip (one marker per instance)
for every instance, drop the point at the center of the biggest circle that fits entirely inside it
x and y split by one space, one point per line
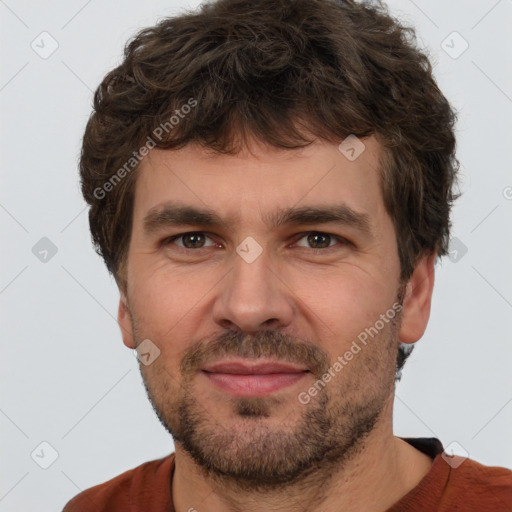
253 385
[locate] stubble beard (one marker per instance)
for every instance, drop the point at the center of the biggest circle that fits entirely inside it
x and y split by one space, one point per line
255 451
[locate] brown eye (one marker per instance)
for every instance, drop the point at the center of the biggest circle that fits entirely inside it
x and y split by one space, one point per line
192 240
318 240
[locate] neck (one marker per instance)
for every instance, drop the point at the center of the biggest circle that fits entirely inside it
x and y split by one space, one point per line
381 470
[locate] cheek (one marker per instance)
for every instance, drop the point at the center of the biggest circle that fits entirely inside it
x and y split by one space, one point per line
165 293
343 308
164 310
345 297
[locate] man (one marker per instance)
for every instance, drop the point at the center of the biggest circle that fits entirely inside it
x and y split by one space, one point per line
270 183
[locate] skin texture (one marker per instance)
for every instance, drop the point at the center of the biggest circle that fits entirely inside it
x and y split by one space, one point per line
200 305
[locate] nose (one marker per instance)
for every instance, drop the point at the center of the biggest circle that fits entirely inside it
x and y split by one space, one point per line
253 297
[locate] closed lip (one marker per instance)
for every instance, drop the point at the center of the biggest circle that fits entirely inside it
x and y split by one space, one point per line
248 367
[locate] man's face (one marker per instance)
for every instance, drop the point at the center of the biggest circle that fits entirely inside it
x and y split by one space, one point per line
253 290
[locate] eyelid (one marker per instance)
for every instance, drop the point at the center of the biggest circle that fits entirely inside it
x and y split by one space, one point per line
170 239
343 240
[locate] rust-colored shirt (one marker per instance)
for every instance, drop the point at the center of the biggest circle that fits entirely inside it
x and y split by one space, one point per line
447 487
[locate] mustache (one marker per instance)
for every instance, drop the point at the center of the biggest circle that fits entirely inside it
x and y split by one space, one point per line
268 344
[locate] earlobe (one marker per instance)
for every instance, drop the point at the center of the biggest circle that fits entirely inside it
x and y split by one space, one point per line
125 322
417 301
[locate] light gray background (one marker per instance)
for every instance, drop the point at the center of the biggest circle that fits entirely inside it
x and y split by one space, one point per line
67 379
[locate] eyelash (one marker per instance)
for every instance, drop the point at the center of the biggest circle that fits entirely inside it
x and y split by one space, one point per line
300 236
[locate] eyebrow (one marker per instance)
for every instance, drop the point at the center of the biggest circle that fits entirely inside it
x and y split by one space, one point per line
174 214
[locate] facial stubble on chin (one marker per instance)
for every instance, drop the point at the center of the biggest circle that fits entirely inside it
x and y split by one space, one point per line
252 451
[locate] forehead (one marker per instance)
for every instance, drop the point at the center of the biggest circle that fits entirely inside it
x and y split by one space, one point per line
261 180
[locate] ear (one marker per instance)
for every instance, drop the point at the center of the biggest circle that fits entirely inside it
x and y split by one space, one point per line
125 322
418 296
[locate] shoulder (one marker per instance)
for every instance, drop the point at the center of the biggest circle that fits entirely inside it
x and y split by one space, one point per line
147 485
457 484
480 482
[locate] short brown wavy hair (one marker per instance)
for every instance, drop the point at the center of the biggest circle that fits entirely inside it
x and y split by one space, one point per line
286 72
